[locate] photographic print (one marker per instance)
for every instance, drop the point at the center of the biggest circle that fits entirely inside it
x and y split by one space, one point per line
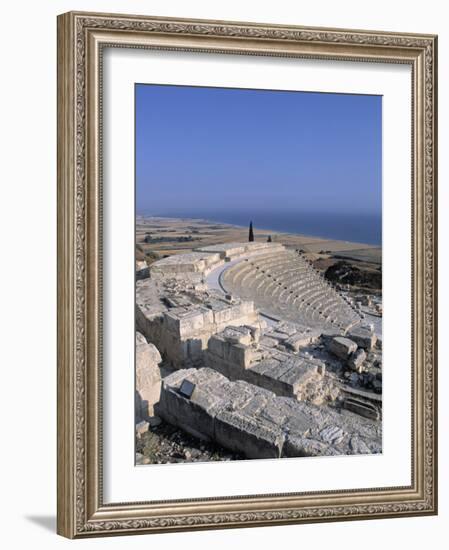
258 254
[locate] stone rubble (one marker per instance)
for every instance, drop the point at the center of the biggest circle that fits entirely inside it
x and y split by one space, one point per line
342 347
357 359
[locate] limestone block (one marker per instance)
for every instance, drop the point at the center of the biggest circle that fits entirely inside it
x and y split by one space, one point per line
194 415
297 423
240 355
255 438
194 347
364 337
194 322
268 374
298 341
142 427
186 322
238 335
342 347
217 346
172 319
192 262
357 359
268 342
225 314
284 376
255 333
148 377
231 371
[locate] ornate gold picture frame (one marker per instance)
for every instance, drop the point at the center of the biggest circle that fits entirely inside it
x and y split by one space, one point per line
82 39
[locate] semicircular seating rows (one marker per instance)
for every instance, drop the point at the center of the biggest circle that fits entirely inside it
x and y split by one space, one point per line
284 284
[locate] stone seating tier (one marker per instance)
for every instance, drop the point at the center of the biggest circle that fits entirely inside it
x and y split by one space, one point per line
285 285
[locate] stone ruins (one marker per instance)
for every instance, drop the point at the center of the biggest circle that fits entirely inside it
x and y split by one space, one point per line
248 346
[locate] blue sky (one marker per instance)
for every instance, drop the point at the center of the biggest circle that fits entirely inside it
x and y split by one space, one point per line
201 149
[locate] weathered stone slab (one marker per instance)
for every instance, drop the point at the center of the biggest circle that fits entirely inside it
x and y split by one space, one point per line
298 341
268 364
270 376
268 342
194 415
363 409
238 335
188 321
299 374
342 347
193 262
364 337
256 438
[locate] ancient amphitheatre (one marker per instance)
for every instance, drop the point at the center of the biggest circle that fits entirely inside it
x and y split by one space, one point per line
251 349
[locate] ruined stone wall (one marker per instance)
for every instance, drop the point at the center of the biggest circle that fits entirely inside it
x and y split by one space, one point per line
179 265
237 354
182 334
257 423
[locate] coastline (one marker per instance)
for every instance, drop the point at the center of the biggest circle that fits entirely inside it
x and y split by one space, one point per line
263 230
174 235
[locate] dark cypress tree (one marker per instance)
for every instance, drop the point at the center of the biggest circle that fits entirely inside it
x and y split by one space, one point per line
269 239
251 234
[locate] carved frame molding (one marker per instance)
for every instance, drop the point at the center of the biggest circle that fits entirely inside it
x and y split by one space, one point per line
81 39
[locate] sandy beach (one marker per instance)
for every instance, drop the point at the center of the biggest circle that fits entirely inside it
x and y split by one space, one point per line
167 236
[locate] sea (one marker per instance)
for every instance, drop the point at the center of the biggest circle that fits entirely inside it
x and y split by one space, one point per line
354 227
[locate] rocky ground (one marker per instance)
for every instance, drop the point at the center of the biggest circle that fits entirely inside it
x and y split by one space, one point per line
165 443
